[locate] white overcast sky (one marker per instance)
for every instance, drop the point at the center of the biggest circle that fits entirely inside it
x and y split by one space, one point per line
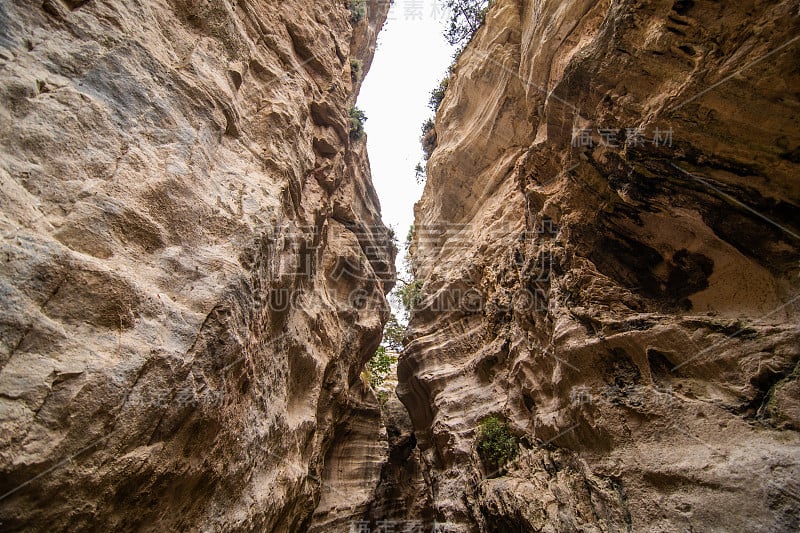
411 58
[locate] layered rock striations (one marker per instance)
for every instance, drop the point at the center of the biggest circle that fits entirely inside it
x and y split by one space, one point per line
193 264
402 500
608 246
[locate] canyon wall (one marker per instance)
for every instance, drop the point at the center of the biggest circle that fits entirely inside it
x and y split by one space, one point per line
608 249
193 265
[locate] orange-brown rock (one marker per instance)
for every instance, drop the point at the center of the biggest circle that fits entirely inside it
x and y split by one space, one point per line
608 241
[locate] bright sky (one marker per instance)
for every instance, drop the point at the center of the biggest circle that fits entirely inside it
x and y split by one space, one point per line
411 58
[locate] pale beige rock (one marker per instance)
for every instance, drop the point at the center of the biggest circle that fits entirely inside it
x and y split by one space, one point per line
654 386
178 345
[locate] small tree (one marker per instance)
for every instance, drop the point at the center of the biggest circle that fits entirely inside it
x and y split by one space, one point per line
393 333
429 138
378 367
419 173
357 120
358 8
429 143
496 445
466 16
437 94
427 125
408 257
410 294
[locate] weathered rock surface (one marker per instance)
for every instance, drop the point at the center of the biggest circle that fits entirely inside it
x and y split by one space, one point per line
630 304
193 265
402 500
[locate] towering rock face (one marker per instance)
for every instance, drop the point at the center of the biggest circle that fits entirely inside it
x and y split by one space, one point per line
193 263
608 245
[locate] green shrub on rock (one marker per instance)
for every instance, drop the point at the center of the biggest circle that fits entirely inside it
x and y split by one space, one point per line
358 8
357 120
496 444
378 367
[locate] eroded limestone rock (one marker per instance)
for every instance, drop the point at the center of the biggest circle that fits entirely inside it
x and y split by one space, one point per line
628 302
185 223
